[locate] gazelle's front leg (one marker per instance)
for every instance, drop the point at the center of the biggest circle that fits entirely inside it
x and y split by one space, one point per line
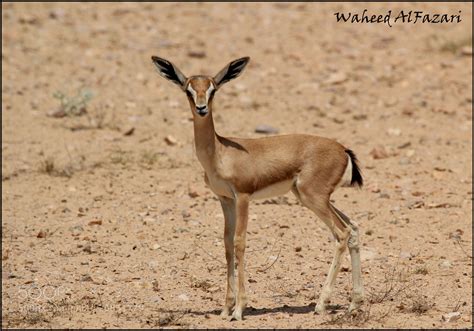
241 206
228 207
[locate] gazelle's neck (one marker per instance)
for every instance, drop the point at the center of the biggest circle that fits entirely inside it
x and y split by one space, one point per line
205 140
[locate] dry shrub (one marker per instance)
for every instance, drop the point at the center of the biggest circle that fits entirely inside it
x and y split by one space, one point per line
399 290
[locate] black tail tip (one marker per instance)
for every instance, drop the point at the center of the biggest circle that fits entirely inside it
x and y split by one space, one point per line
356 179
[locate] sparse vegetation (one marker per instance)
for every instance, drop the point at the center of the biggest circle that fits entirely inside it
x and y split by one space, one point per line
148 158
72 106
399 290
119 156
443 44
421 270
49 165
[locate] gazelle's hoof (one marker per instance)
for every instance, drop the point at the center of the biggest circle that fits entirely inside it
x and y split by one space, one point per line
237 315
320 309
354 305
225 312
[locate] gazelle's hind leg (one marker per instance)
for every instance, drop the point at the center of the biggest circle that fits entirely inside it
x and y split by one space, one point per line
343 234
353 244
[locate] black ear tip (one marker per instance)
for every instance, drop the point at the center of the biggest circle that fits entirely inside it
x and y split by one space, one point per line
157 59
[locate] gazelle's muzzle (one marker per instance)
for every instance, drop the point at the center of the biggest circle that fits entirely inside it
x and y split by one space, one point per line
202 110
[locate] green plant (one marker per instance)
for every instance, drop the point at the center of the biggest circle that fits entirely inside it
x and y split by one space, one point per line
72 106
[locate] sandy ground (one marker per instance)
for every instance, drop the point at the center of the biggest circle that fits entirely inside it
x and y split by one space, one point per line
107 222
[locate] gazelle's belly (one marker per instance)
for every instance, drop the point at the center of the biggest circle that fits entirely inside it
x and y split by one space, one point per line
223 188
276 189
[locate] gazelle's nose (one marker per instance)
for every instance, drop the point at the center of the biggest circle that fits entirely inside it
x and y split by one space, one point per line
202 110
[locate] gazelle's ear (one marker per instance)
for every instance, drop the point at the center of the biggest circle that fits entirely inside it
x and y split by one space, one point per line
231 71
169 71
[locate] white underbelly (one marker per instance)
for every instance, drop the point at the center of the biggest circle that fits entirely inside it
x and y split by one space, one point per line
276 189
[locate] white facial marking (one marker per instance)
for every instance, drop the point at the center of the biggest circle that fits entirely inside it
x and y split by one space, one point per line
208 92
194 94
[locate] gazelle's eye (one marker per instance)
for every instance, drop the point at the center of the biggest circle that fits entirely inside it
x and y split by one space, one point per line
189 94
212 93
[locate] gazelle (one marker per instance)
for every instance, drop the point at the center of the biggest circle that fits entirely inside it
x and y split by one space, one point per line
239 170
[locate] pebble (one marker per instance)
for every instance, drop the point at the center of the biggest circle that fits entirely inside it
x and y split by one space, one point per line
445 264
183 297
197 54
451 317
379 152
336 78
406 255
41 234
170 140
193 192
394 132
467 50
267 129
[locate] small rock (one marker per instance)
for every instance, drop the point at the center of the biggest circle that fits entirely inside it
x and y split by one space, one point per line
359 117
394 132
437 174
197 54
415 204
451 317
267 129
467 50
406 255
384 195
183 297
391 102
156 246
186 214
192 192
156 299
445 264
405 145
59 113
379 152
149 220
95 222
41 234
171 141
129 132
298 249
410 153
336 78
213 289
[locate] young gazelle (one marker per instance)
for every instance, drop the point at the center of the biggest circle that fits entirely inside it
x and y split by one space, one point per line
239 170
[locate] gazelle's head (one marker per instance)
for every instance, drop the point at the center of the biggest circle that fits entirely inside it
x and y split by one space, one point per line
200 90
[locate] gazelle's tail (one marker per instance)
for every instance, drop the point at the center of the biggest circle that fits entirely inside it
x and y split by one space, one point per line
356 179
